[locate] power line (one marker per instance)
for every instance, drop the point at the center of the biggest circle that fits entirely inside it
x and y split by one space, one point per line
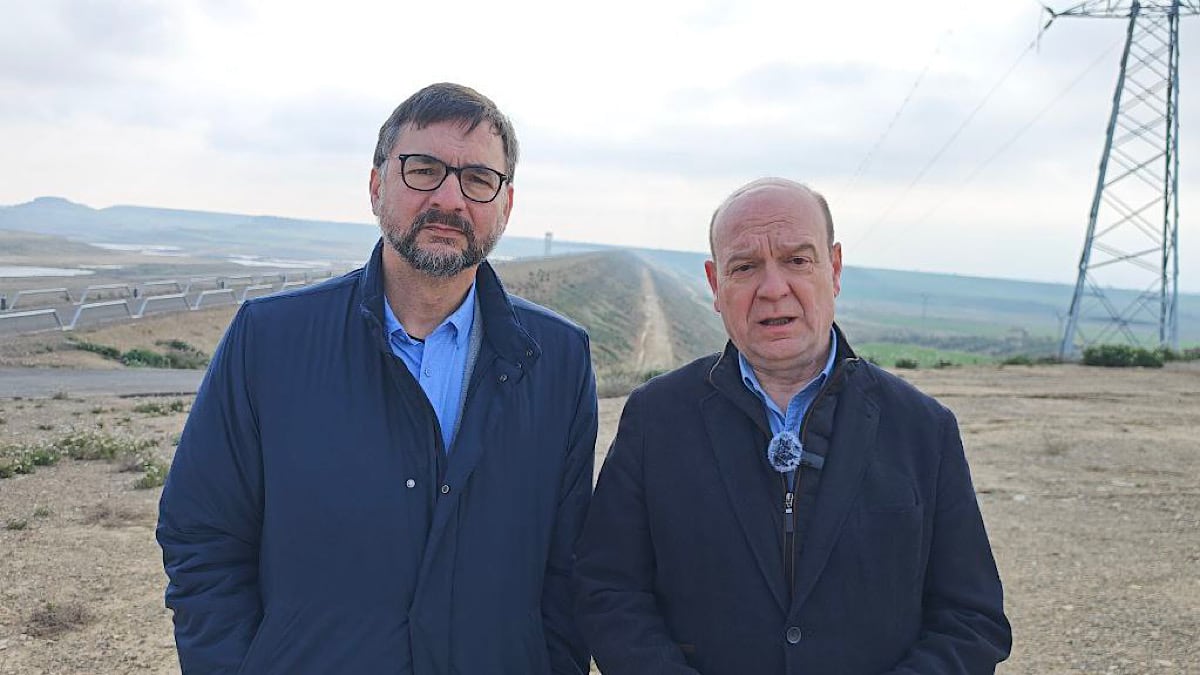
866 160
949 142
1020 132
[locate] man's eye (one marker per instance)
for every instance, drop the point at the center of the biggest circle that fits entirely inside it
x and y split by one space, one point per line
744 267
801 261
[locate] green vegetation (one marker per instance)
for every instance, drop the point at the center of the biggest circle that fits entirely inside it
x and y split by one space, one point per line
159 408
84 446
16 524
154 474
616 382
923 357
1122 356
1027 360
111 353
907 364
176 354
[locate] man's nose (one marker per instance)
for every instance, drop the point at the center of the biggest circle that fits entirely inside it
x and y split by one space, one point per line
772 284
449 195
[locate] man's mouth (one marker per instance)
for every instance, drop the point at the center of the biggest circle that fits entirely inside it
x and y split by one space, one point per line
777 321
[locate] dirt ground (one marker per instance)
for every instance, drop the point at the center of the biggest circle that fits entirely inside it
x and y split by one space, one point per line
1087 478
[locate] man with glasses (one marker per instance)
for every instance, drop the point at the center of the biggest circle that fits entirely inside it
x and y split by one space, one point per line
785 507
386 473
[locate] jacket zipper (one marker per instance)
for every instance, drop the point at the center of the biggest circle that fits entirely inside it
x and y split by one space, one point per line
790 495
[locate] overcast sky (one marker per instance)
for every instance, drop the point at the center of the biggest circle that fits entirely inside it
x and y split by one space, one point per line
635 117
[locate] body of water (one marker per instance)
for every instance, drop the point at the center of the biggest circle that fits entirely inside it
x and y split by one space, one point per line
25 271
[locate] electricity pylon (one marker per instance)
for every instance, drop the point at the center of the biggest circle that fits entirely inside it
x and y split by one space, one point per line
1134 219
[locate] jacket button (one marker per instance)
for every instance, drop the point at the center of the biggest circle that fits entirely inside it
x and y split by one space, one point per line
503 377
793 635
445 489
528 352
410 483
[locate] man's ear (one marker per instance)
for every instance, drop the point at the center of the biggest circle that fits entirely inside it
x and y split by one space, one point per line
836 259
376 188
710 271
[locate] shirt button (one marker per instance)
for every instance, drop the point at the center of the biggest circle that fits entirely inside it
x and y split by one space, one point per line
503 378
793 635
428 372
445 489
410 483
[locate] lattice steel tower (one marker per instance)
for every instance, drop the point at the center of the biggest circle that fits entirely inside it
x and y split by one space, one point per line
1134 220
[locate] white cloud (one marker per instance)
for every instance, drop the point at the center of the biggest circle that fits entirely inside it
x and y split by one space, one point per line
635 117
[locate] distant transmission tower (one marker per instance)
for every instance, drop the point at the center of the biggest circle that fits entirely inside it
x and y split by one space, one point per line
1134 220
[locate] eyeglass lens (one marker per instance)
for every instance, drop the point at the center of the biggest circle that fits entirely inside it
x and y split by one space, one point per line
422 172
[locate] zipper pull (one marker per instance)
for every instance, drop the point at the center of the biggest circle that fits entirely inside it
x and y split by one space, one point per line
788 500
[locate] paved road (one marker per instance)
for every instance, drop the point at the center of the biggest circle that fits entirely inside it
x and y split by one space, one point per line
40 382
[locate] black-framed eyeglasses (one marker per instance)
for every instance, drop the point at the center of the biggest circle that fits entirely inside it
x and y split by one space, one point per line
427 173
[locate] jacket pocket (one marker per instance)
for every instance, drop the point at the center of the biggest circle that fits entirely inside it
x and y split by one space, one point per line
270 637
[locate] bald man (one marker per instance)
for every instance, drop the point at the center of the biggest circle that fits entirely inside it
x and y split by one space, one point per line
784 506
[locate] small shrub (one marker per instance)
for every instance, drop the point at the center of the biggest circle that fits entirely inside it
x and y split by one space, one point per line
159 408
1121 356
144 358
45 427
1017 360
942 363
60 396
907 364
54 619
43 455
24 459
109 515
90 445
42 512
16 524
155 474
106 351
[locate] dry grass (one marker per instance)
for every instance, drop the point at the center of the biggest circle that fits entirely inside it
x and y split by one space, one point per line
55 618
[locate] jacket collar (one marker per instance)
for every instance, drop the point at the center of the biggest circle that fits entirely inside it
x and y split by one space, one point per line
502 330
726 377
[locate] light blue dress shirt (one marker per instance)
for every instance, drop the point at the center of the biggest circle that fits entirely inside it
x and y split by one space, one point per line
439 361
798 406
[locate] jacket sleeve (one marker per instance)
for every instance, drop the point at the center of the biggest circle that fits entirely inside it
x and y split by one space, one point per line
614 580
210 516
568 653
963 627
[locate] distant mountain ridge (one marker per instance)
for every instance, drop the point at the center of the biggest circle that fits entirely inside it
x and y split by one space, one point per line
974 314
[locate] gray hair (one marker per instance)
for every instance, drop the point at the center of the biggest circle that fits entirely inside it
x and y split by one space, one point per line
448 102
778 182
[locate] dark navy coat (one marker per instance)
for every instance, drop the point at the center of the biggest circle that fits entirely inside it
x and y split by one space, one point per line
682 567
311 522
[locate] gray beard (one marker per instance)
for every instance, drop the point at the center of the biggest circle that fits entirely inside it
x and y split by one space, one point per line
440 264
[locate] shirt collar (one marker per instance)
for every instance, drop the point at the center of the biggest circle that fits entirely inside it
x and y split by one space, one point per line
459 321
751 380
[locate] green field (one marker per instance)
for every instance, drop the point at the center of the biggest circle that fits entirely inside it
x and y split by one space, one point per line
887 354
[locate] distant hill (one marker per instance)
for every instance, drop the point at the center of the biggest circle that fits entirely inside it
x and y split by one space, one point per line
944 311
640 321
